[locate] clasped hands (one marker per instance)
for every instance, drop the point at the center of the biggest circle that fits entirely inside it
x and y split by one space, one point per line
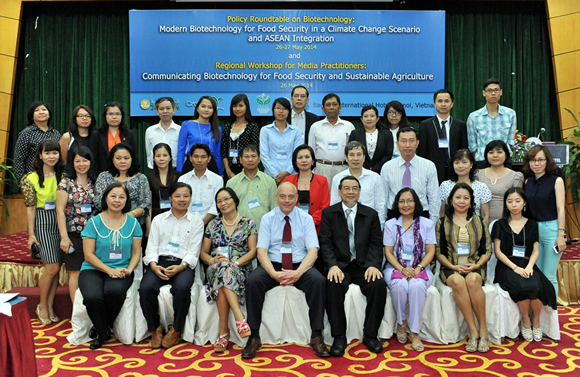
335 274
119 273
466 268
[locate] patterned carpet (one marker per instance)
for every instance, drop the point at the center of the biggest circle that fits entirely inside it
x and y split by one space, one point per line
56 357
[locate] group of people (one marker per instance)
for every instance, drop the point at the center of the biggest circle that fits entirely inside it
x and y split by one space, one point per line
334 206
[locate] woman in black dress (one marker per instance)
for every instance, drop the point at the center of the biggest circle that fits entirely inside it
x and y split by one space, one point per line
517 249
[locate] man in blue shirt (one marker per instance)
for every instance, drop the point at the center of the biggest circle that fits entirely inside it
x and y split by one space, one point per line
287 250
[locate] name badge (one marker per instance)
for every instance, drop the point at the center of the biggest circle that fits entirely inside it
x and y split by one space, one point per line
197 207
519 251
408 255
164 204
233 153
282 156
304 207
462 249
443 143
332 146
86 208
286 248
172 247
49 205
115 254
253 203
224 250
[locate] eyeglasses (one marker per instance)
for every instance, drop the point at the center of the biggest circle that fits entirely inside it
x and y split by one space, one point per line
114 114
83 116
489 91
299 95
538 160
348 188
408 201
394 113
227 198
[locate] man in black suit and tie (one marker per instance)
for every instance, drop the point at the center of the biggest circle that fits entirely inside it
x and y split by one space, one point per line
352 248
441 136
300 117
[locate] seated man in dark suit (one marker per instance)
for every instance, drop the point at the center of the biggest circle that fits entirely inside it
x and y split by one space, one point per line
441 136
300 117
352 248
287 250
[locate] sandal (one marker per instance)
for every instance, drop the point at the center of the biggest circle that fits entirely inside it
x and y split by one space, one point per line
54 318
418 347
243 328
537 334
221 343
42 320
483 346
401 336
527 334
471 345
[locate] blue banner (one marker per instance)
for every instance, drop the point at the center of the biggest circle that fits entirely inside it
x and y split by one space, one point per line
366 57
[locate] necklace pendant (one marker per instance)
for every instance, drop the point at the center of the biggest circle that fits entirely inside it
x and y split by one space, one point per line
234 160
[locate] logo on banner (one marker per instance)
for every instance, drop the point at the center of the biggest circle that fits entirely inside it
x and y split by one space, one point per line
145 104
263 101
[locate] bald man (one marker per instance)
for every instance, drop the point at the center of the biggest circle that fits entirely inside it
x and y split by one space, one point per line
287 249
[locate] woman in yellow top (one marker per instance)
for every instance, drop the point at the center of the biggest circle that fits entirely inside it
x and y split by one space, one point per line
39 191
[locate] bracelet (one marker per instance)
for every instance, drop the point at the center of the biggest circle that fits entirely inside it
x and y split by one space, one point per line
236 263
421 267
211 260
516 267
563 230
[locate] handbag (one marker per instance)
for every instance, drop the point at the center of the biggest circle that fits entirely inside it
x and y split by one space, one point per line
35 252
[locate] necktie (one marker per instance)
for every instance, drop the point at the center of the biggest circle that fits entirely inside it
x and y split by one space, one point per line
407 176
287 240
350 225
441 130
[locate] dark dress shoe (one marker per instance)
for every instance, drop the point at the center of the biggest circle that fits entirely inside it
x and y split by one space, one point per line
338 346
373 344
157 337
171 338
96 344
317 344
93 332
253 346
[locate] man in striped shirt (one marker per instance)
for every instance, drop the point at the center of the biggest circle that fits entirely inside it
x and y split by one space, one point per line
491 122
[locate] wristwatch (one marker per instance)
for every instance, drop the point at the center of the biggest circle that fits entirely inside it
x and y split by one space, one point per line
421 267
236 263
184 264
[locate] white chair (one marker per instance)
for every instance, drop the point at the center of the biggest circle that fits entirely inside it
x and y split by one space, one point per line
166 312
124 325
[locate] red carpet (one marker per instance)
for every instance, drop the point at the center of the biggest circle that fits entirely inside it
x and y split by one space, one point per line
55 357
13 248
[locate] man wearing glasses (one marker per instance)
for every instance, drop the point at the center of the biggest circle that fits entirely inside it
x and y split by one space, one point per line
300 117
491 122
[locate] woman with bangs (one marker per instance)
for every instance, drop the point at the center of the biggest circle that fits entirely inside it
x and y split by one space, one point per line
39 191
203 129
239 132
395 118
161 178
79 133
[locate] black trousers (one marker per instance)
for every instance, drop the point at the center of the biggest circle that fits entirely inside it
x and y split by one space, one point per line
180 290
311 283
375 292
103 297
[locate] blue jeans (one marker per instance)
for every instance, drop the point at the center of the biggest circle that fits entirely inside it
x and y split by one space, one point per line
548 260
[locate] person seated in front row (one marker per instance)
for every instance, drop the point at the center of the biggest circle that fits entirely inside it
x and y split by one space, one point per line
350 244
517 250
229 247
112 247
409 247
172 255
287 249
463 249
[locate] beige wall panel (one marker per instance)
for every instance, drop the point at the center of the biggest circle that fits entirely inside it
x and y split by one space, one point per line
568 100
3 144
10 8
17 220
5 109
7 69
9 29
567 71
565 33
558 8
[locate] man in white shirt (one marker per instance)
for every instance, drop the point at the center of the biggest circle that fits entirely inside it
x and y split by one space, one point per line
300 117
372 185
204 182
328 137
172 255
166 131
410 170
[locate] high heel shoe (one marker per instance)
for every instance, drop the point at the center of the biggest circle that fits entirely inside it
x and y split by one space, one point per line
54 318
42 320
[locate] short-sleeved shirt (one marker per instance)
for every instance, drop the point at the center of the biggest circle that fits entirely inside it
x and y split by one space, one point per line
503 232
204 192
261 188
303 234
104 241
34 195
427 232
76 220
483 128
481 193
